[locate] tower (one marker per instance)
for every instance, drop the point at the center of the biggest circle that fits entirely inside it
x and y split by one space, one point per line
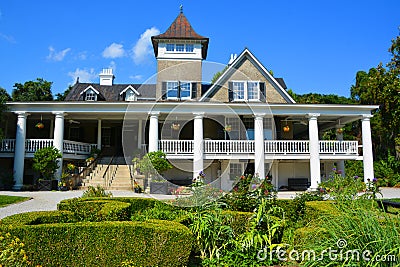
179 52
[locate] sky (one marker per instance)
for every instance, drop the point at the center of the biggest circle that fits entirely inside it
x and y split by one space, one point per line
316 46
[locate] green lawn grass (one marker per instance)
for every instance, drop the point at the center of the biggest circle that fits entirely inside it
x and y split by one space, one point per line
7 200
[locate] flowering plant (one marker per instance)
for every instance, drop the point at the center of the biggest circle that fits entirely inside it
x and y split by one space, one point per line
199 180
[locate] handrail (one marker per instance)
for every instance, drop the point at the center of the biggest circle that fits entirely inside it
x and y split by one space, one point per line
78 178
108 173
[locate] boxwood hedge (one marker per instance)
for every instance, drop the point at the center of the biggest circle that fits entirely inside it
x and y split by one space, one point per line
150 243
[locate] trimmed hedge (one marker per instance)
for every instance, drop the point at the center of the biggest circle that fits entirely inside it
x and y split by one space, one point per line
94 210
39 217
151 243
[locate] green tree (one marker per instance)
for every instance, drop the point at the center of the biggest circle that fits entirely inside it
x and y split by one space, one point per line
39 90
45 161
4 97
62 96
154 163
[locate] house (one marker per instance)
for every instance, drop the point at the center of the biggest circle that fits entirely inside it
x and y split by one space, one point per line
245 122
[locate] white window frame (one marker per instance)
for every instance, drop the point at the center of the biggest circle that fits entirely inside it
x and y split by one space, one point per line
184 48
233 175
180 48
90 95
246 92
169 89
130 95
170 46
178 85
191 50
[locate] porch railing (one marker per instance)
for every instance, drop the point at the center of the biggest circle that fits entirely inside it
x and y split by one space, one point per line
338 147
31 145
177 146
286 147
228 146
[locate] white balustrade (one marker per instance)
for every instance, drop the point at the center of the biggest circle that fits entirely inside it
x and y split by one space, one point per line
31 145
286 147
338 147
74 147
7 145
176 146
228 146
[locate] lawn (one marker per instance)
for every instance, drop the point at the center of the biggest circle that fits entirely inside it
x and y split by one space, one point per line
7 200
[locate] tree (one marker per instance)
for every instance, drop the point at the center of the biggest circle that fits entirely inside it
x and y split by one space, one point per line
154 163
45 162
39 90
62 96
4 97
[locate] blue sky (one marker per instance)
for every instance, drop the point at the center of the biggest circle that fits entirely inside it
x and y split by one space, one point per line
316 46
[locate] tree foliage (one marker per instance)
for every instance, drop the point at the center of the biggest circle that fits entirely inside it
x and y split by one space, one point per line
62 96
381 86
45 162
4 97
154 163
39 90
313 98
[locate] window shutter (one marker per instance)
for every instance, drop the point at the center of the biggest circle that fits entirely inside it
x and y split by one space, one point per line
163 90
230 91
194 90
262 92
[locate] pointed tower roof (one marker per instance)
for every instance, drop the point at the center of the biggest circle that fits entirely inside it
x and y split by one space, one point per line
180 29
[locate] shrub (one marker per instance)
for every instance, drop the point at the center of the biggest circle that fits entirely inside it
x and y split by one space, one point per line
96 210
152 243
161 211
12 251
39 217
45 161
97 191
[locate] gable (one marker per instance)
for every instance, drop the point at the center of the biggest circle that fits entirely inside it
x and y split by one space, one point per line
247 68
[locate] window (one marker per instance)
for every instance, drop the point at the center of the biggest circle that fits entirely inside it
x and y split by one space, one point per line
170 47
180 48
185 90
180 90
247 91
172 90
90 95
235 170
238 90
130 95
189 47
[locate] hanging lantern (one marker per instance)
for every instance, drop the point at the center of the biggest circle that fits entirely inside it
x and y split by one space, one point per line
286 128
175 126
339 130
39 125
228 128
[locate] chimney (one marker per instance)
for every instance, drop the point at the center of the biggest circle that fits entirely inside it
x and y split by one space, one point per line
233 57
106 77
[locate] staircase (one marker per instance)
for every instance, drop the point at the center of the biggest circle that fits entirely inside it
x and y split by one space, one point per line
111 173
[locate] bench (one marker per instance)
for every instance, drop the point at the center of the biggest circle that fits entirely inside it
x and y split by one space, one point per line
298 183
384 204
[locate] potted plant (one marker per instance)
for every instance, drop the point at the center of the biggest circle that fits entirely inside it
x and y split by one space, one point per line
286 128
45 161
152 165
228 128
136 187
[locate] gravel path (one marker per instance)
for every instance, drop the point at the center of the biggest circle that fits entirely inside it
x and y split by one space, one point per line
47 200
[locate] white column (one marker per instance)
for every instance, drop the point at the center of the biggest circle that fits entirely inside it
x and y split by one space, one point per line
198 146
140 135
19 155
259 156
368 159
99 134
58 141
153 132
315 168
340 163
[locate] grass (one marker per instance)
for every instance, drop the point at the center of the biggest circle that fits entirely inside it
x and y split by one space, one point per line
7 200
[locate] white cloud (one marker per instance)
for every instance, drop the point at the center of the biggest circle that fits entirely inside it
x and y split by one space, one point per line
8 38
57 56
112 66
85 75
114 51
82 55
142 48
136 77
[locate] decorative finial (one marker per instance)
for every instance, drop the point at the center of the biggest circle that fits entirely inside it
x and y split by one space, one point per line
181 8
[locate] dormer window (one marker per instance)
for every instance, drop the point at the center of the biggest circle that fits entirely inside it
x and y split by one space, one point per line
90 95
130 95
170 47
180 48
